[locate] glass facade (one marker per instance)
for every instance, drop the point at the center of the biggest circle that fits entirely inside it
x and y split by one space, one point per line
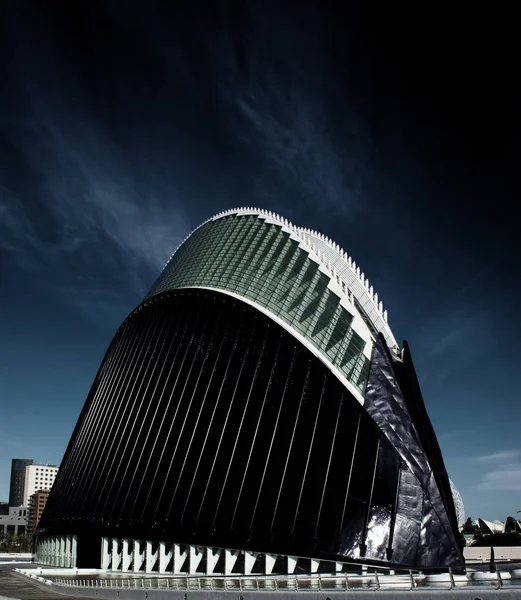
261 262
211 424
236 408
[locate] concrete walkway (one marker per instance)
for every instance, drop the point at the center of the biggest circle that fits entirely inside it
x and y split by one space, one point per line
17 587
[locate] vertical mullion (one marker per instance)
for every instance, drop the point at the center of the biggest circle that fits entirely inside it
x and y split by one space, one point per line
349 477
158 403
290 370
243 362
187 379
394 511
116 436
246 354
239 431
309 456
216 404
111 393
68 471
254 438
100 432
207 354
188 347
302 396
328 466
88 426
363 545
171 396
142 395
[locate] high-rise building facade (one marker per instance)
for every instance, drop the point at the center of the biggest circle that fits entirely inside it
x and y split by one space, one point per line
256 403
37 503
17 487
38 477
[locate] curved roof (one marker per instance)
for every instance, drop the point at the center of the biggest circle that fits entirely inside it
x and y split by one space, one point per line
512 525
339 264
489 527
302 279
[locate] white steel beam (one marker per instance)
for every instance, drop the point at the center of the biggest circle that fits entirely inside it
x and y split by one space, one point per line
179 558
126 551
139 557
116 556
212 557
164 557
269 563
74 550
151 557
230 558
68 542
249 561
196 556
291 563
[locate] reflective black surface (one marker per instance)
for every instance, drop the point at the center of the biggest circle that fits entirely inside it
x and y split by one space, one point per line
210 424
426 531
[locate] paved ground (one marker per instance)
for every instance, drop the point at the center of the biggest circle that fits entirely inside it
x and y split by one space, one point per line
14 587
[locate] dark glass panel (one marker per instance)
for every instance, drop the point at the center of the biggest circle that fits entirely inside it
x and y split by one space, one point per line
210 424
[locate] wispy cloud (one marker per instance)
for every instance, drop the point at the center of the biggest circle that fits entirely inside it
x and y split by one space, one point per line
506 479
503 471
499 457
89 208
454 339
91 219
295 141
282 101
454 433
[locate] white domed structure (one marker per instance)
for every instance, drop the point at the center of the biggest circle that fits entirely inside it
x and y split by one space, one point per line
458 503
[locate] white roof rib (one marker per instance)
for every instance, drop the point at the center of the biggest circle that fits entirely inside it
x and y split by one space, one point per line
338 263
341 267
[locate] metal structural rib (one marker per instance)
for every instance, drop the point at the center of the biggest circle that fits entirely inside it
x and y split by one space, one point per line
255 402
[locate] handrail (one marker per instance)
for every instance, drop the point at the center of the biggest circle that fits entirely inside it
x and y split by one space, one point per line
299 583
499 580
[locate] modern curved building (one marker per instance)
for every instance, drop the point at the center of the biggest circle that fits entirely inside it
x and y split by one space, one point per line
253 414
510 525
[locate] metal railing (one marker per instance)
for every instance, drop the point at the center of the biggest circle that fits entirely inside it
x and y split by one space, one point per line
291 583
248 583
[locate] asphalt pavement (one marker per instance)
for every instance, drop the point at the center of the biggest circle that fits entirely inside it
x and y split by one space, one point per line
16 587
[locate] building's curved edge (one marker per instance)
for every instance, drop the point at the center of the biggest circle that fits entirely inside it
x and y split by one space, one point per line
298 336
338 263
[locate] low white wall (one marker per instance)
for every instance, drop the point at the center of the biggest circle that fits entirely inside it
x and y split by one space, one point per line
500 553
16 555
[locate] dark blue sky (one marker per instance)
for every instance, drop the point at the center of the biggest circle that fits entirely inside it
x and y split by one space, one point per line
397 134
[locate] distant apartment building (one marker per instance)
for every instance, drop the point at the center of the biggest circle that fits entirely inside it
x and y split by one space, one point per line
37 503
37 478
15 522
27 480
17 487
